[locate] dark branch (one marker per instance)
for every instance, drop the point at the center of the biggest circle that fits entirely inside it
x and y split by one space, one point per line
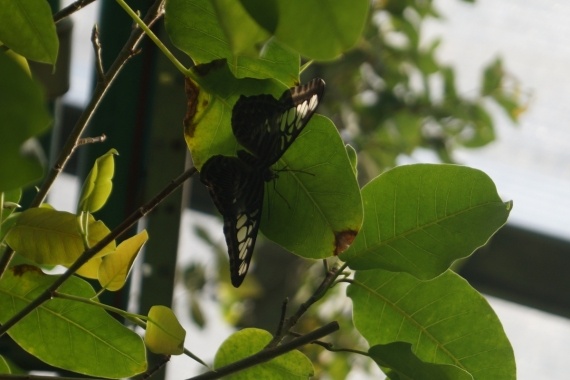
269 353
70 9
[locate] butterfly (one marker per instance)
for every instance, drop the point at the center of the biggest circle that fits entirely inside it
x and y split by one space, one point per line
265 127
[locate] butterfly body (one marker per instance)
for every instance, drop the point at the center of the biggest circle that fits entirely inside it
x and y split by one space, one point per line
265 127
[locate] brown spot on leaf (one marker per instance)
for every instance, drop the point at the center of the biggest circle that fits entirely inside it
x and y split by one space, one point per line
343 240
20 270
192 91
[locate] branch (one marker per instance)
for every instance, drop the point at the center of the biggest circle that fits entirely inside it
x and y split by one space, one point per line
100 90
70 9
269 353
89 253
317 295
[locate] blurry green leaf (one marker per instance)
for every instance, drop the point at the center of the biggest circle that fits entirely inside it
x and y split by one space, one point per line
164 334
68 334
4 367
492 77
98 184
445 320
420 218
244 343
399 357
321 30
27 27
24 115
196 312
51 237
116 266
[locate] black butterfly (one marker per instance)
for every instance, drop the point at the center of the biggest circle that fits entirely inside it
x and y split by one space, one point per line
266 127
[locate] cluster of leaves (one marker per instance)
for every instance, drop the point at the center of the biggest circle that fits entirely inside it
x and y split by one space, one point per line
406 226
392 94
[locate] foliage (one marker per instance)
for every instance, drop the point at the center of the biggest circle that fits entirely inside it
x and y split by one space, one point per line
419 319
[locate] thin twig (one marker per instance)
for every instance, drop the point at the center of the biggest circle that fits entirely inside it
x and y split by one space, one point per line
100 90
70 9
283 314
89 253
330 347
269 353
317 295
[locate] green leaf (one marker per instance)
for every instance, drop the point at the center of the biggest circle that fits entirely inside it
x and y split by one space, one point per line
52 237
313 208
164 334
116 266
4 367
404 365
321 30
222 30
98 184
27 27
420 218
68 334
244 343
445 320
24 115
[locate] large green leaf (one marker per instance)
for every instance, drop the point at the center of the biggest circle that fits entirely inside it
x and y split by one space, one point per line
313 208
209 31
4 367
52 237
445 320
420 218
27 27
292 365
23 115
69 334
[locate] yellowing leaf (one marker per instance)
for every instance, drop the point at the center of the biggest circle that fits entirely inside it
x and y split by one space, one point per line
115 267
98 184
164 334
52 237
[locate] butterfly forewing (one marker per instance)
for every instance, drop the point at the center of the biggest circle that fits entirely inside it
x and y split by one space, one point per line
267 127
237 192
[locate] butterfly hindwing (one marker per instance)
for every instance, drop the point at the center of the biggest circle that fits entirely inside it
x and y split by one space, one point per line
266 126
237 192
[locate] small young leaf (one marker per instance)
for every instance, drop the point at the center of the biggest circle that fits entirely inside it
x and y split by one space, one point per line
292 365
115 267
445 320
164 334
27 27
401 361
420 218
68 334
52 237
98 184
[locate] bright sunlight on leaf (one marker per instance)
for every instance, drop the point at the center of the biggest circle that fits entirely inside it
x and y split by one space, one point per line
115 267
445 320
421 218
164 334
68 334
293 365
98 184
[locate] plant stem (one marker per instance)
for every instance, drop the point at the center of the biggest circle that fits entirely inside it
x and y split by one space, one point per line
186 72
269 353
